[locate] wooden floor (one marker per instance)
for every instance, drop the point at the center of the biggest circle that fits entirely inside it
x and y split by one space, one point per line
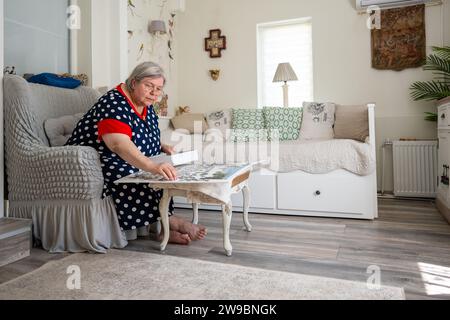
410 243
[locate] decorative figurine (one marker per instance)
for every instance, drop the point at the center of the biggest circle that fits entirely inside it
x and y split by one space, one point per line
215 73
9 70
163 106
182 110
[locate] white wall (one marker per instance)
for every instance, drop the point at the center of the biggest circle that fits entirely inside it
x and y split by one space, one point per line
446 22
109 55
119 45
342 61
81 49
101 46
2 153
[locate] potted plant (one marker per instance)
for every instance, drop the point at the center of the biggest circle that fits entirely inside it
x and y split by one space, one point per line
438 88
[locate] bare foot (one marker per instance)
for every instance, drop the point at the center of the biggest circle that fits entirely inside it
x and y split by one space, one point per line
195 232
176 238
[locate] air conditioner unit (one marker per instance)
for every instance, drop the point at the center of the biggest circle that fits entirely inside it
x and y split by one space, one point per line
387 4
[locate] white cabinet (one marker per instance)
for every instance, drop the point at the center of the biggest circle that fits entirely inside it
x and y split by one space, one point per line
323 193
443 117
336 194
443 197
443 158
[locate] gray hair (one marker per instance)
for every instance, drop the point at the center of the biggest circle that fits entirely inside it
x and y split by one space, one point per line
145 70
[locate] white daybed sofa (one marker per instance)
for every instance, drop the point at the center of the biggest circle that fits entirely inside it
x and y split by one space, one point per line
327 178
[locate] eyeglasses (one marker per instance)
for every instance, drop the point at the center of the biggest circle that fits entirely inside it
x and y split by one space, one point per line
152 88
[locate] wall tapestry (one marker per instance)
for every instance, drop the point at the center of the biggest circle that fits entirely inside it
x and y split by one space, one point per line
401 41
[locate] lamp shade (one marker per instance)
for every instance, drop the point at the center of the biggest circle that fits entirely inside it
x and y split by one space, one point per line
285 73
157 26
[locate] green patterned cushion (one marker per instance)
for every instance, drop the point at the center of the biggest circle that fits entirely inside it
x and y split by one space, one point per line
247 125
283 123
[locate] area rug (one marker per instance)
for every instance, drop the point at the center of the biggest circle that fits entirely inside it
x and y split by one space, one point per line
122 274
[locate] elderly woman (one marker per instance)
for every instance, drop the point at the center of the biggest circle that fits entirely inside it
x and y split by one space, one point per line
123 127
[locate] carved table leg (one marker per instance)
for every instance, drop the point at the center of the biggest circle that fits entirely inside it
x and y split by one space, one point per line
246 195
164 214
227 212
195 209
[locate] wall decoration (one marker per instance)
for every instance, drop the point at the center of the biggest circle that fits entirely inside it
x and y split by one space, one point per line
401 41
148 39
215 73
161 107
215 43
140 52
131 7
144 45
171 32
183 110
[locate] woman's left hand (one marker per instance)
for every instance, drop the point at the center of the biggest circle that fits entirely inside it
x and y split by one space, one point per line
167 149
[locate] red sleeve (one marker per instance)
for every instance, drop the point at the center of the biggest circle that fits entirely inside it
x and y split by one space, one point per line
113 126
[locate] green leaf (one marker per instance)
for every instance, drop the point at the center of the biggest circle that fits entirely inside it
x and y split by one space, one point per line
435 63
438 88
431 90
442 52
430 116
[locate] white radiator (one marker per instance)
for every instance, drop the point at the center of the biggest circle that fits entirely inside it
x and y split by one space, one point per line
415 168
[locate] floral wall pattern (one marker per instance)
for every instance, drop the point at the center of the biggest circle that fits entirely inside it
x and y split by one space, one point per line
159 48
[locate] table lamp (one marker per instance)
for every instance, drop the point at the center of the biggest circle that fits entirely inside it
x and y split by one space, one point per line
284 74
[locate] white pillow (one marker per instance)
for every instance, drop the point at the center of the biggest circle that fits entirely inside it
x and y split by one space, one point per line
219 124
181 139
318 121
59 130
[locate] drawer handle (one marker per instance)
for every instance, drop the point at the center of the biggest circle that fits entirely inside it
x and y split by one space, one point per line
318 193
443 116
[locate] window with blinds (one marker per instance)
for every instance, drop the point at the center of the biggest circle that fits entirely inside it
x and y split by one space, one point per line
287 41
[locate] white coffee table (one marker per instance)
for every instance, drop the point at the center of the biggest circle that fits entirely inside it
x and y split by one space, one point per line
199 184
237 184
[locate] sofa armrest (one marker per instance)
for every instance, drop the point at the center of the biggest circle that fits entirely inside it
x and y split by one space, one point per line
372 141
371 113
61 173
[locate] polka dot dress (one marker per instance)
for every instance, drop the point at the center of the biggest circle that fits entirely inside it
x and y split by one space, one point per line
137 205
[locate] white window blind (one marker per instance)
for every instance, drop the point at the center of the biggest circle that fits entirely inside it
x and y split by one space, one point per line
285 42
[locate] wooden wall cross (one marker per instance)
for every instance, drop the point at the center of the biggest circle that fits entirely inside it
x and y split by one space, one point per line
215 43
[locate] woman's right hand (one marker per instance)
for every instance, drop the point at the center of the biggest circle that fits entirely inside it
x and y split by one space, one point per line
166 170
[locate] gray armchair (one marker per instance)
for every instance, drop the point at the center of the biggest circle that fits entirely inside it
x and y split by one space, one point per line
59 188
